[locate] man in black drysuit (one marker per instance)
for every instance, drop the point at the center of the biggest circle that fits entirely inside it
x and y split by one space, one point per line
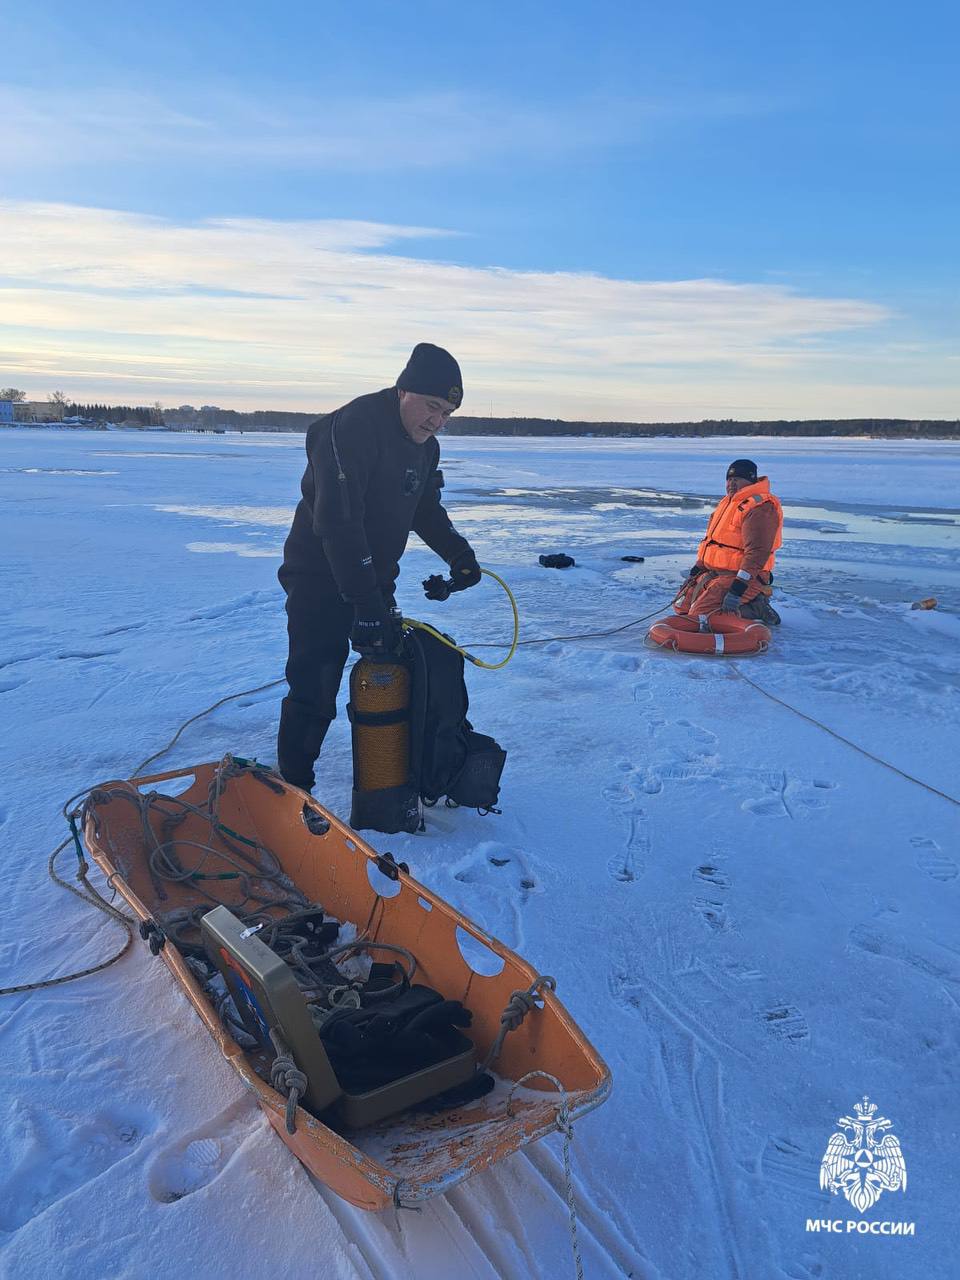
371 478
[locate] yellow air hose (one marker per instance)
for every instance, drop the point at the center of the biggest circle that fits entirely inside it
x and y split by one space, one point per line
477 662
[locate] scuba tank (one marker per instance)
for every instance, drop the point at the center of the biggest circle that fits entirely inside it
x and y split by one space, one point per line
412 741
384 794
380 696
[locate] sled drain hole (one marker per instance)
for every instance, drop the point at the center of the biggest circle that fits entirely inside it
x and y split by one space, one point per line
478 956
170 786
380 883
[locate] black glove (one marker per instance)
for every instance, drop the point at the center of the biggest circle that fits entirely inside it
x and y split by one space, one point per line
464 571
436 587
731 601
375 629
696 571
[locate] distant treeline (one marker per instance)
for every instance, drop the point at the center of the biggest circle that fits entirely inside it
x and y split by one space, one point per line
234 420
211 417
113 413
892 428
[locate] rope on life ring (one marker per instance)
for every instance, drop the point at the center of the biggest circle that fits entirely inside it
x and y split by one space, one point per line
720 635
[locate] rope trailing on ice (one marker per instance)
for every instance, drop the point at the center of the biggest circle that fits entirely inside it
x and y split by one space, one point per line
518 1006
287 1078
566 1128
93 899
450 644
487 644
584 635
918 782
90 895
199 716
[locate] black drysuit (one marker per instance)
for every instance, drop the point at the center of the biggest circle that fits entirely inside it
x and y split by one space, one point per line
366 486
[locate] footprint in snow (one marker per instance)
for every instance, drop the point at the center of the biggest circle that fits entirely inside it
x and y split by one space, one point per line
62 1156
712 875
776 793
621 662
784 1022
501 882
788 1165
681 739
926 955
787 796
619 794
199 1158
473 868
712 906
642 691
932 861
629 861
808 1267
738 971
196 1166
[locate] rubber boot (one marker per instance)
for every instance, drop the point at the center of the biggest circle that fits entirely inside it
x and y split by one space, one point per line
762 610
299 740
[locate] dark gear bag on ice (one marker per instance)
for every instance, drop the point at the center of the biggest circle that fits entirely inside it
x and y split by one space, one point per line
412 740
448 757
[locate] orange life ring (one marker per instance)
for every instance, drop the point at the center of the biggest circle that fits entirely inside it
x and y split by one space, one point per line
721 633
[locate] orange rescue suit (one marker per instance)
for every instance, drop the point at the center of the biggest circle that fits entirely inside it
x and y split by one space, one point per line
724 545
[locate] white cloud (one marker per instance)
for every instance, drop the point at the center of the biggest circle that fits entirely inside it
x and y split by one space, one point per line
52 127
254 313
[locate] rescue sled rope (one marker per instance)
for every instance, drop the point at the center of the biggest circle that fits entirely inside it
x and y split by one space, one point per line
518 1006
93 898
88 893
244 693
565 1126
846 741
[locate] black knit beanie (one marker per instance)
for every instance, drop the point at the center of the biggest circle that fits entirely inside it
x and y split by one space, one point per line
431 371
743 469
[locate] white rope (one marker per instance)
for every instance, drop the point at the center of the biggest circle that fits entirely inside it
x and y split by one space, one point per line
566 1128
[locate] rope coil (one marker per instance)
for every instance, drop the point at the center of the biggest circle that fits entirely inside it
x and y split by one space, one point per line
517 1008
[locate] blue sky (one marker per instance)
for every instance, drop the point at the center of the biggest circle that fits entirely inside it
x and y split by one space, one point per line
798 165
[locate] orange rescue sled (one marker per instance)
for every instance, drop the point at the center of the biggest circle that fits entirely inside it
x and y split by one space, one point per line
405 1159
719 634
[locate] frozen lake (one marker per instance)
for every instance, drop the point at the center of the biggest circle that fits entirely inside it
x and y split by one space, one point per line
755 924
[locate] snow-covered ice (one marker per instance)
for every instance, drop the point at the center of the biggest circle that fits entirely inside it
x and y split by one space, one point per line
755 924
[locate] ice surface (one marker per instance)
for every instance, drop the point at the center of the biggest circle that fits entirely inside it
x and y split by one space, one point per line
755 924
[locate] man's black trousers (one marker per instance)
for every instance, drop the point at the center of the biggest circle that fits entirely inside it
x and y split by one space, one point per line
318 627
